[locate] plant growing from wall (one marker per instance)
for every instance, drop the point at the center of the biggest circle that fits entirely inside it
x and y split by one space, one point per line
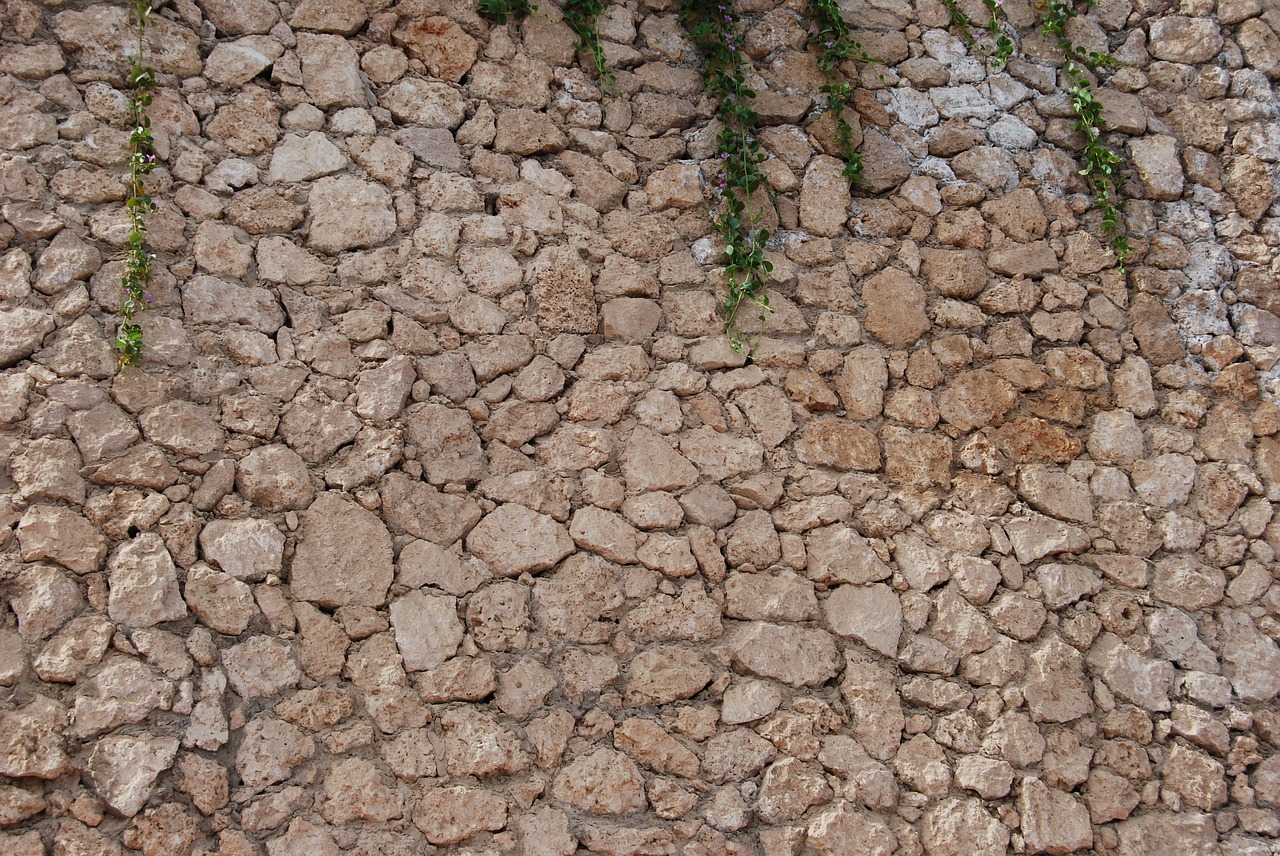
1100 165
583 17
1003 43
713 27
830 36
501 10
142 160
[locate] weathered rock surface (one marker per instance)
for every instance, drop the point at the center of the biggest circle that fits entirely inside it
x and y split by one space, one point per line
343 557
441 514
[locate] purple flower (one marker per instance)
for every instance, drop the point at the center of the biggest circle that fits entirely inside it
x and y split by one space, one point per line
829 44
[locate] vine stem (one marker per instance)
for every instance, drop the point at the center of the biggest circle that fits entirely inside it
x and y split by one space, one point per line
129 343
713 28
1099 164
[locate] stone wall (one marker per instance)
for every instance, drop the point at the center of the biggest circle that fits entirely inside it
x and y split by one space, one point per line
441 516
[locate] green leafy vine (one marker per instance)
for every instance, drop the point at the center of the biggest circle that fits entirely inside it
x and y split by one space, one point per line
1100 165
713 27
500 10
830 36
142 160
960 20
1003 43
583 17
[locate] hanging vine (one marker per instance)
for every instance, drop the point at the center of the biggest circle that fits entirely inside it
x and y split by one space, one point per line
830 36
583 17
1000 51
713 27
142 160
1100 165
500 10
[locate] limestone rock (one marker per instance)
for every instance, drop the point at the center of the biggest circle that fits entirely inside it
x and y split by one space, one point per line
49 468
563 291
209 300
260 667
275 478
247 550
427 629
72 651
796 656
1156 159
431 104
100 37
961 827
349 213
353 791
425 512
871 614
451 815
304 158
649 463
824 197
790 787
1137 679
838 554
32 742
446 50
143 583
1056 690
475 745
447 443
123 692
784 596
123 769
1052 821
514 539
221 601
269 751
895 308
975 399
22 331
1180 39
56 533
605 782
837 444
873 700
1250 658
664 674
329 16
331 73
343 557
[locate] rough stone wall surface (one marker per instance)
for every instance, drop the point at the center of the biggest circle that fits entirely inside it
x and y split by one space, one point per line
441 518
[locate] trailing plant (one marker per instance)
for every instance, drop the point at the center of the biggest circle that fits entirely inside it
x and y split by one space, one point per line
1002 50
142 160
1100 165
713 27
501 10
830 35
583 17
1004 44
960 20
